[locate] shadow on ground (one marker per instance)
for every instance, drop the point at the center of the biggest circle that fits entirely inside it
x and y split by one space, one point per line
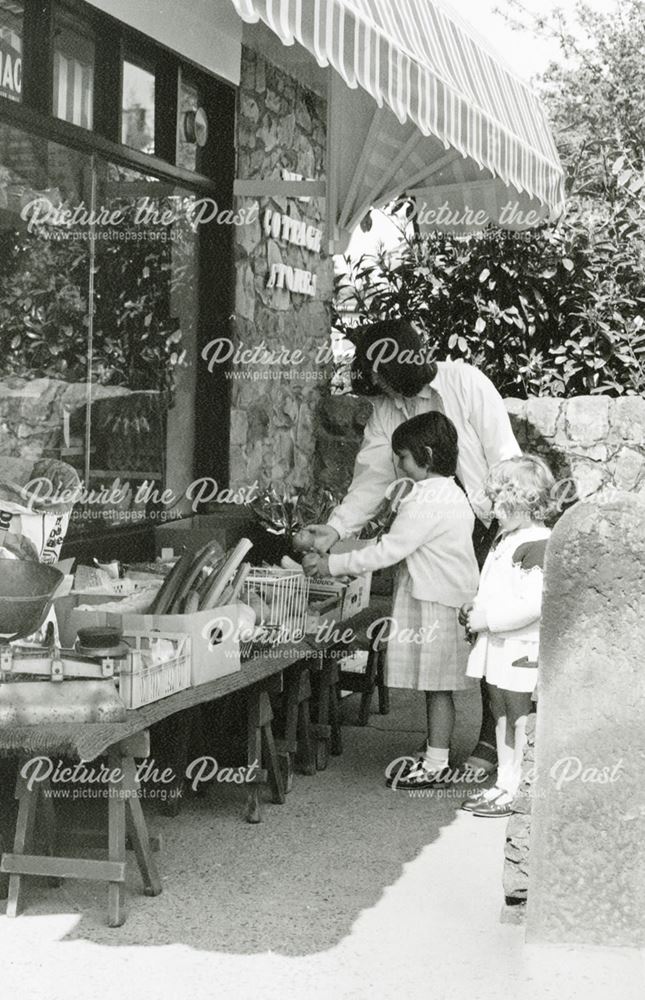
296 883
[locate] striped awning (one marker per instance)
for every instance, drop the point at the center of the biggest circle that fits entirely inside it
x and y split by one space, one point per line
426 108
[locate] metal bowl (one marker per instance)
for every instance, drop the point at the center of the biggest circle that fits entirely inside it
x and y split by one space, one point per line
26 592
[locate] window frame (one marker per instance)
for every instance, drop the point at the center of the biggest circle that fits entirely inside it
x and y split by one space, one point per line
34 113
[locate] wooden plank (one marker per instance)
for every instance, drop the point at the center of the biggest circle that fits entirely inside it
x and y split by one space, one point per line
81 868
23 839
274 188
136 824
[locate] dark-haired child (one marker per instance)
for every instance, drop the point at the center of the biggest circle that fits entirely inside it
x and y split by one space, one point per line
431 541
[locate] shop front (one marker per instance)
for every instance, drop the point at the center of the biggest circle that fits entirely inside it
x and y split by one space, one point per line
173 185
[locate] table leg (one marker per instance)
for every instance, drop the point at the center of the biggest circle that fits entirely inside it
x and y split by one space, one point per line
116 837
383 690
369 685
273 761
259 737
171 746
336 741
138 831
254 755
4 879
50 830
322 728
23 840
288 746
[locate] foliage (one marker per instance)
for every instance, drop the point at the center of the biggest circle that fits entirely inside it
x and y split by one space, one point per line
558 310
596 94
44 306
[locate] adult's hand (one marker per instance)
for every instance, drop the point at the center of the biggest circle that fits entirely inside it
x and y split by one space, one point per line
464 611
316 537
530 554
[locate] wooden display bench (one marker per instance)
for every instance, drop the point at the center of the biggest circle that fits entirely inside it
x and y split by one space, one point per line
125 820
366 683
260 678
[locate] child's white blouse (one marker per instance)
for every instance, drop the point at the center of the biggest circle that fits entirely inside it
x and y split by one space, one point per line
511 600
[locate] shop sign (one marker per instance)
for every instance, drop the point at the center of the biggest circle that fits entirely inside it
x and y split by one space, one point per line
297 233
10 71
294 231
294 279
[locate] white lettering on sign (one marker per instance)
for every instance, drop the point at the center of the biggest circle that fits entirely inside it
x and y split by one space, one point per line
294 279
10 71
295 231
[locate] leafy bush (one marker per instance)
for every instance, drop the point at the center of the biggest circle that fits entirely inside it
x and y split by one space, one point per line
44 306
558 310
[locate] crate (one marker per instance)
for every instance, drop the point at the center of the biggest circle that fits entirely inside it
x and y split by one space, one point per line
332 600
284 596
214 635
141 682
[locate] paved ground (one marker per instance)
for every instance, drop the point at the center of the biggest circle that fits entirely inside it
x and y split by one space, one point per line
347 891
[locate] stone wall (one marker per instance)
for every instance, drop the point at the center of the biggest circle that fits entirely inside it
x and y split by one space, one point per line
282 126
518 829
597 442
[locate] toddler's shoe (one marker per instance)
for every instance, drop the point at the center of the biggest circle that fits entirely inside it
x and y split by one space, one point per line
498 808
480 798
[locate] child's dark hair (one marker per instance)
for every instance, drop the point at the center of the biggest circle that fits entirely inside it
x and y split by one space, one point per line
429 430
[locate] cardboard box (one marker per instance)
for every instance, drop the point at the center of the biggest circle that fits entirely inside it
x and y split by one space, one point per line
65 606
214 635
337 600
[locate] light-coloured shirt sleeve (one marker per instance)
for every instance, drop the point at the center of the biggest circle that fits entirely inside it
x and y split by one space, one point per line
374 470
410 529
520 608
489 417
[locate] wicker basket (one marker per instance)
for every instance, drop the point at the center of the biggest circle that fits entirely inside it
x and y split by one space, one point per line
150 673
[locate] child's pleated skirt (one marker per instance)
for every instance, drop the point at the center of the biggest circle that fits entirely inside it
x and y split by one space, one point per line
427 648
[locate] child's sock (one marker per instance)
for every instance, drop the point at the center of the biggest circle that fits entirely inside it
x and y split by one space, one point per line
435 758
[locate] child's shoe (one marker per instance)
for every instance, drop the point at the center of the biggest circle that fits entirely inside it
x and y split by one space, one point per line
481 798
423 776
499 807
400 769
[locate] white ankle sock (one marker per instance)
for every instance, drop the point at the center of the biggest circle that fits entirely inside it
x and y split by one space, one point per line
436 758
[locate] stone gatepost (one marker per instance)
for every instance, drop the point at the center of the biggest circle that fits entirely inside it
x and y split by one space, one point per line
587 857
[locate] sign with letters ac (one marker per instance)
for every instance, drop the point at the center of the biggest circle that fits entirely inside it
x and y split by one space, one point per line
10 71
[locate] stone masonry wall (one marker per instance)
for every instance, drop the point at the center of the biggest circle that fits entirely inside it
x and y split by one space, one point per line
596 442
282 126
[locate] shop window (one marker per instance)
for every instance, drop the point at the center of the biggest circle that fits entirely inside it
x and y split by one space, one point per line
138 108
98 324
73 75
11 23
